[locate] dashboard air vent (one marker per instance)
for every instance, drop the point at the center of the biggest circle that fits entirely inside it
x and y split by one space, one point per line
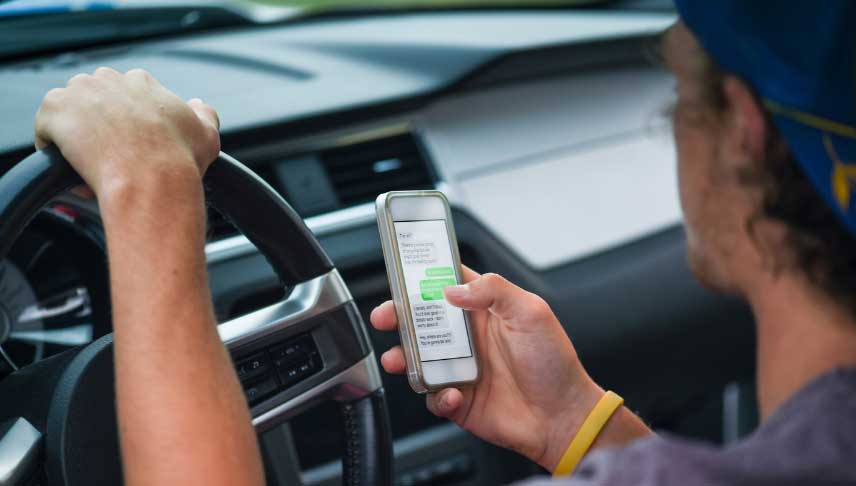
339 177
359 172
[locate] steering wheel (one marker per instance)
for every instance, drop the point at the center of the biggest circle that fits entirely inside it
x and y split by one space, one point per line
57 417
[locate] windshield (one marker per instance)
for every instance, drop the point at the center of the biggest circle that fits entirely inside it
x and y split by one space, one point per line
21 7
29 27
10 8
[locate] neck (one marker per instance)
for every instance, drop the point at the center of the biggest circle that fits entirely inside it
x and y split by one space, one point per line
801 335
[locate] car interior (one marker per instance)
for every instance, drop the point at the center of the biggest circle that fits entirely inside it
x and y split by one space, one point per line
543 124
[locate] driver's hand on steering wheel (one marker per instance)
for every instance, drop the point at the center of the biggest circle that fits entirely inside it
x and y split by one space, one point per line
143 151
126 131
533 394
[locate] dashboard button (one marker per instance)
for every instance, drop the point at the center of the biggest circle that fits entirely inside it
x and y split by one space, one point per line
260 389
252 367
296 371
292 351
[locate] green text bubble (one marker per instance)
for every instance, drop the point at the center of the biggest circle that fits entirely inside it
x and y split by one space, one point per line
432 289
439 271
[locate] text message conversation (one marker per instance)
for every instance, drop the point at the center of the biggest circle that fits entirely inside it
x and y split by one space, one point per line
426 260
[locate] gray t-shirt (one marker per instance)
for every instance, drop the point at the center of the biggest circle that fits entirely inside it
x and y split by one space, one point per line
810 440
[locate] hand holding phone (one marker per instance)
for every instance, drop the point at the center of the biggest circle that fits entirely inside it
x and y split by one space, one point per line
421 255
533 393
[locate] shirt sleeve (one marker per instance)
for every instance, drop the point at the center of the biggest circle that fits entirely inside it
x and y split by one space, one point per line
658 460
592 471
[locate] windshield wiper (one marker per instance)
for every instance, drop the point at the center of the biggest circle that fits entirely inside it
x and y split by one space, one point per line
26 35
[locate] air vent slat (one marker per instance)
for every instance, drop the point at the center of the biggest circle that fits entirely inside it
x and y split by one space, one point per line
343 157
360 172
393 167
404 182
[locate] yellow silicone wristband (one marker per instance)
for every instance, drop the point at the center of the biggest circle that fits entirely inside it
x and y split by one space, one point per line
588 432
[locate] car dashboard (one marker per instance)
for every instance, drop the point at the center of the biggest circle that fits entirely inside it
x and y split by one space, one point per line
546 131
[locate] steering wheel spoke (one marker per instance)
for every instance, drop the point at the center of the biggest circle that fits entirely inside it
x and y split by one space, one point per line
301 351
311 347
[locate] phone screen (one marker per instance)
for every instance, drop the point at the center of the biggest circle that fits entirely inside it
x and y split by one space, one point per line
427 264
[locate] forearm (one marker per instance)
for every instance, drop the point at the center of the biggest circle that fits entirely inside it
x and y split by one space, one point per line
182 415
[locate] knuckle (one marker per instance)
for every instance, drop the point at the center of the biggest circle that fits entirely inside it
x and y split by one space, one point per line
140 73
54 93
213 143
493 280
213 112
52 98
78 79
538 307
205 142
105 71
209 112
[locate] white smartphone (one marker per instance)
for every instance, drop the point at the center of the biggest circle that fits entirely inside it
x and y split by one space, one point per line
421 255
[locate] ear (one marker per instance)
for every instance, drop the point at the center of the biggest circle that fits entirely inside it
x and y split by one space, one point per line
747 125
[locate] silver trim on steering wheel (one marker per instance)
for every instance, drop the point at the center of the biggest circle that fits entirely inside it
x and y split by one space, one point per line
19 450
355 382
307 299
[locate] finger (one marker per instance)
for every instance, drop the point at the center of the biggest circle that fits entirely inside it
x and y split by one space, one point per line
107 73
40 141
205 113
383 317
446 403
469 274
41 131
209 147
497 295
141 77
393 361
46 113
80 78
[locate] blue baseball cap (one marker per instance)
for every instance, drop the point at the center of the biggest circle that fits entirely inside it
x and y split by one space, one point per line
800 58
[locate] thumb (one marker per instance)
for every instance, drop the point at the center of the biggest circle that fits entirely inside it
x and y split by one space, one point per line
493 293
209 146
205 113
447 403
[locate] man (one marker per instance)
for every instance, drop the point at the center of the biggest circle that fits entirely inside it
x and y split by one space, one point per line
764 130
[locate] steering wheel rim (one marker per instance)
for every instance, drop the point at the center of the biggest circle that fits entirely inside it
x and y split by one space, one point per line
343 367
